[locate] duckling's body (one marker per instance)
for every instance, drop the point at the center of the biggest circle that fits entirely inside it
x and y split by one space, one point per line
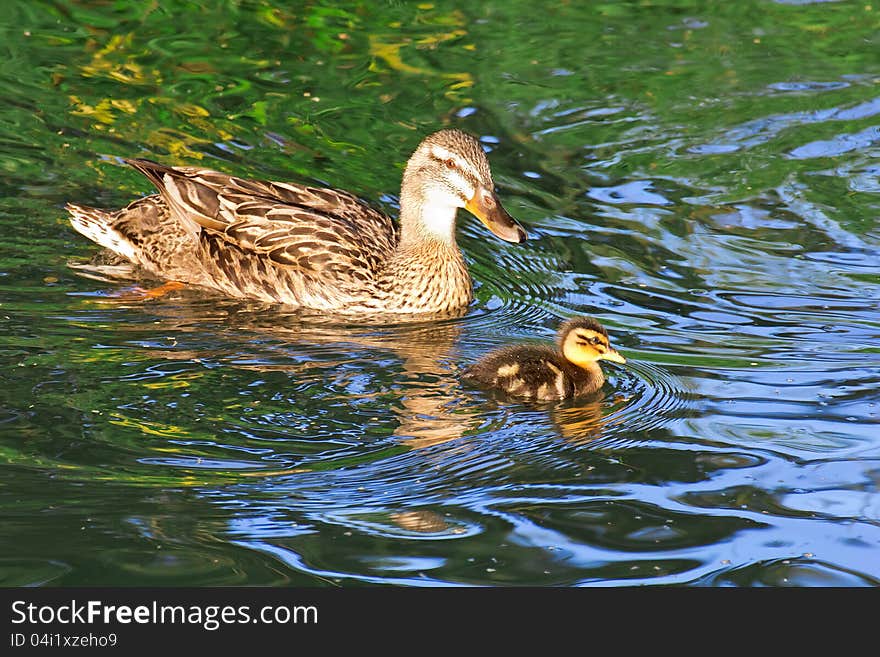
310 247
541 373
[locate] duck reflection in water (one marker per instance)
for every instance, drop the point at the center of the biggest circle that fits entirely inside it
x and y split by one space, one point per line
428 403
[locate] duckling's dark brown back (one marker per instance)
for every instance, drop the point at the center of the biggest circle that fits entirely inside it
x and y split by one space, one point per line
530 372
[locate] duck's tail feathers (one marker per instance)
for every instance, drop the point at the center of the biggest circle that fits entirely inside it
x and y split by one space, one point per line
97 225
107 273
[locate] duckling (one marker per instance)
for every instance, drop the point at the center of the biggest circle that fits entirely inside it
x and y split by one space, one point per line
541 373
310 247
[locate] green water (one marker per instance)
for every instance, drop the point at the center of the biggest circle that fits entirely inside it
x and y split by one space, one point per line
703 177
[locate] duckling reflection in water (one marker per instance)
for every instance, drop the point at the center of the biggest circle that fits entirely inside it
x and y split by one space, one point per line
541 373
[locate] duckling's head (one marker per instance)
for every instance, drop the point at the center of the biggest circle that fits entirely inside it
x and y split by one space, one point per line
583 341
449 170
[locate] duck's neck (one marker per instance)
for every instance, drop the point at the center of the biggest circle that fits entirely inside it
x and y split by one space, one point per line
587 379
426 272
424 220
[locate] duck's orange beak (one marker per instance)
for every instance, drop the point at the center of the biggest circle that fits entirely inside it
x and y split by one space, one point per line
486 207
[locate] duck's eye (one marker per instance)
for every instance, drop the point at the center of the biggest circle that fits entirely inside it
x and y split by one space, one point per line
450 163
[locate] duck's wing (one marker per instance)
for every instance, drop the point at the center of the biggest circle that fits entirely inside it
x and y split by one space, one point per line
317 231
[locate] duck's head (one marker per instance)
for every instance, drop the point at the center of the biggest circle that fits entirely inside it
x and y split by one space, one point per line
449 170
583 341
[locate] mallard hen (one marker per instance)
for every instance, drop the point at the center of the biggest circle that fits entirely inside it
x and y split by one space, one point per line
541 373
311 247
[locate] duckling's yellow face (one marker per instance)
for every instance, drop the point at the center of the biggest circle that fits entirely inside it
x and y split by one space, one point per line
584 346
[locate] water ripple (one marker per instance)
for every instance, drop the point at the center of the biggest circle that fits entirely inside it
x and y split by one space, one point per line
653 397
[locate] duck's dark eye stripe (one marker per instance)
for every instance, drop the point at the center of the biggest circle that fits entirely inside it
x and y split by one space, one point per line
594 340
448 162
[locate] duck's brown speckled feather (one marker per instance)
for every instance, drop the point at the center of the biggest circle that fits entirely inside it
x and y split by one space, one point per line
314 236
320 248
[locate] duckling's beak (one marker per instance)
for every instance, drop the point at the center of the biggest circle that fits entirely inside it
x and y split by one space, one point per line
613 355
486 207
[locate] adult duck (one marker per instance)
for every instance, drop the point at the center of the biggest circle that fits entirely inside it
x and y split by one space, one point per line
316 248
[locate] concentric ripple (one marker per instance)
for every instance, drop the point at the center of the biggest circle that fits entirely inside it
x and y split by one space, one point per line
652 396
